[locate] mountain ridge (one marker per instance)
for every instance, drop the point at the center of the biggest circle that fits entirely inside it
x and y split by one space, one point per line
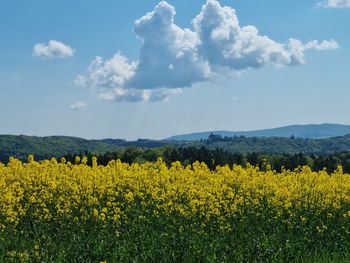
21 146
306 131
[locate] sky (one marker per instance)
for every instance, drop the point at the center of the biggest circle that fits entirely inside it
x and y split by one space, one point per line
150 69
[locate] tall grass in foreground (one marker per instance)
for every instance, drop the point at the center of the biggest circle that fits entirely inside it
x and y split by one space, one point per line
61 212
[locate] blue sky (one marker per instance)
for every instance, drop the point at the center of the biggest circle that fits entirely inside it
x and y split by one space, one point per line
154 78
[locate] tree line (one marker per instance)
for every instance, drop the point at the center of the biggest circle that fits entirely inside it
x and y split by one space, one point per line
220 157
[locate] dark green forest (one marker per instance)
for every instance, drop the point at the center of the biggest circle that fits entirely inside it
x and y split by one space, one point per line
278 153
219 157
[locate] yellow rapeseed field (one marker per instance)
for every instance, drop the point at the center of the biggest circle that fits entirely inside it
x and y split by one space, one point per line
276 213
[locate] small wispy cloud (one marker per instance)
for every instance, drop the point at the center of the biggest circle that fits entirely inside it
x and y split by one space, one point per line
52 49
335 4
78 105
136 95
324 45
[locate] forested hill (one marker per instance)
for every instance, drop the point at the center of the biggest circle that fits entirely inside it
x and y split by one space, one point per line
277 145
310 131
42 147
46 147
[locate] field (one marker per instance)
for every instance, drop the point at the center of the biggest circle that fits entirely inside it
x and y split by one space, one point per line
56 211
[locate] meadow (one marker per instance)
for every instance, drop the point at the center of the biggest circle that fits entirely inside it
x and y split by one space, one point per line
58 211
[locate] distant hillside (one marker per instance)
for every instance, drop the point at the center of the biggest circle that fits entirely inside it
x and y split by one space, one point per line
277 145
45 147
312 131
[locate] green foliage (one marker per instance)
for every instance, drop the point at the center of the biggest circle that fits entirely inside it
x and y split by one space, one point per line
46 147
216 150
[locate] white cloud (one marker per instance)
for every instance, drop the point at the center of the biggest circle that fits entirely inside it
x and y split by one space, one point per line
109 74
335 4
172 58
78 105
297 48
135 95
324 45
52 49
168 57
224 43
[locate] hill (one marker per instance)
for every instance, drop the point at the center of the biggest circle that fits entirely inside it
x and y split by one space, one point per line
44 147
47 147
311 131
277 145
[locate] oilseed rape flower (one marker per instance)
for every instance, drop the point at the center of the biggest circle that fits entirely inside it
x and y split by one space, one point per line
123 201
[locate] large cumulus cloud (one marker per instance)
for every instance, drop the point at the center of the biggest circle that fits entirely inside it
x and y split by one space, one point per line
168 57
172 58
224 43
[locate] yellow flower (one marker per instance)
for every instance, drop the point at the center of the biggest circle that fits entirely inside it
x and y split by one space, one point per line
95 213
